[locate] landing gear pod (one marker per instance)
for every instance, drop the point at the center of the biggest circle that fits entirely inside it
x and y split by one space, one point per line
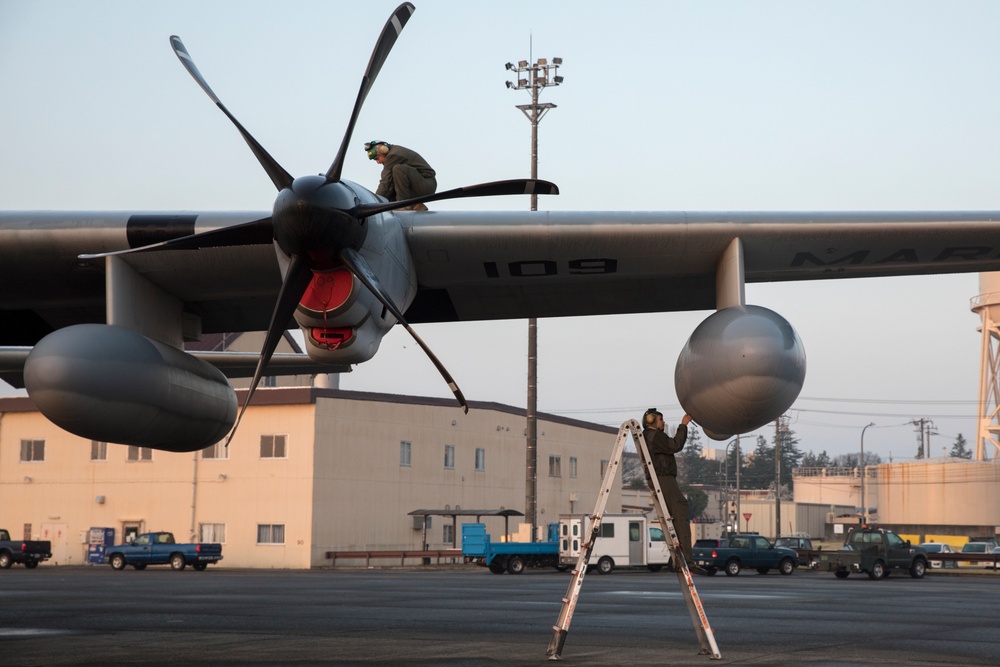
113 385
740 369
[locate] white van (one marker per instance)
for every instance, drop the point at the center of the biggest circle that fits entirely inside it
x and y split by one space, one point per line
625 540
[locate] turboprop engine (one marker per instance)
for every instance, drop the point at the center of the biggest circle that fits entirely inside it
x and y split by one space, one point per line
110 384
740 369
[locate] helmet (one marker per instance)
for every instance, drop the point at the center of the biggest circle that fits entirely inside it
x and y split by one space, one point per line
649 418
376 148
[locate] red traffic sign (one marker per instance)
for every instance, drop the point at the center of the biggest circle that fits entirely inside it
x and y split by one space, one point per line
747 515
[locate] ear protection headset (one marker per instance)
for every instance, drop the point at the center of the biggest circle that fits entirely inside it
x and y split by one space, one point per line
376 148
649 418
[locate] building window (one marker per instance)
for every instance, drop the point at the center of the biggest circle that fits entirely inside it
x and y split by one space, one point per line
32 450
555 466
448 534
404 453
220 451
272 447
98 450
480 459
572 467
212 532
270 533
449 457
139 453
604 467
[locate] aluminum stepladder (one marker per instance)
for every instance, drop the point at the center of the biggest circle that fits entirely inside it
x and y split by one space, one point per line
706 637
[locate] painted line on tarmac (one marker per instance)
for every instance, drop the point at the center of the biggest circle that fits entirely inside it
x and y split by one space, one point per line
30 632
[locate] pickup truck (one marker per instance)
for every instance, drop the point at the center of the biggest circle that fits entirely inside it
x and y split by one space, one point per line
875 551
162 549
740 551
26 552
512 557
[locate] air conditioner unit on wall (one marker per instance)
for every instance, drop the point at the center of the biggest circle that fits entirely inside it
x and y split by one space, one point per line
418 523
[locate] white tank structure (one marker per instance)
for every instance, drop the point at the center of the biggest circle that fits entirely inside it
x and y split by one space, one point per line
987 306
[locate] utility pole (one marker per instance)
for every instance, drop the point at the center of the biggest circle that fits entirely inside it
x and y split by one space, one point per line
864 506
777 478
533 77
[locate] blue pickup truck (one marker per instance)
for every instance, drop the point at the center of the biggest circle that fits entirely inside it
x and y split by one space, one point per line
512 557
743 551
162 549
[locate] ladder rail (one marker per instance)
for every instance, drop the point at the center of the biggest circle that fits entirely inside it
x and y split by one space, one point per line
706 636
703 629
561 628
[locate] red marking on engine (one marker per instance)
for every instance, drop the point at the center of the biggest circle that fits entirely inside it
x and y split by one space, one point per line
328 290
331 338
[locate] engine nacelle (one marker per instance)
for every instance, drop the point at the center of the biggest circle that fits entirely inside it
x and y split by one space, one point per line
740 369
110 384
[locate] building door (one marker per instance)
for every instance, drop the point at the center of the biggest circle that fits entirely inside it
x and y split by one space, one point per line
56 533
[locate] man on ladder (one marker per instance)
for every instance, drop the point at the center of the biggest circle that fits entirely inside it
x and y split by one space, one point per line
674 526
662 449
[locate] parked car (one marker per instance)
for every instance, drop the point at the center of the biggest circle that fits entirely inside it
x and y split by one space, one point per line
939 548
979 546
799 544
996 552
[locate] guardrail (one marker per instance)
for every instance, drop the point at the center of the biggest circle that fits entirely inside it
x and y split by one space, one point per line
986 559
401 556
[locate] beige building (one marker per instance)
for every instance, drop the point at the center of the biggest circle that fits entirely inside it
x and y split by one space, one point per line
946 499
311 470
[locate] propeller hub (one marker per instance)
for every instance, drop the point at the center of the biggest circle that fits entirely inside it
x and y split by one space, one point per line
311 219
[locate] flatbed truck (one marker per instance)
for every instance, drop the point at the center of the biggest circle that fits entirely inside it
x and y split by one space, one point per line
511 557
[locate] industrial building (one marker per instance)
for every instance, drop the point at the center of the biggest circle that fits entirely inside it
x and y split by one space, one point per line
310 470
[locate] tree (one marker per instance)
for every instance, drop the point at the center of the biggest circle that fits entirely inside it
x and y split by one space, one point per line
759 470
959 449
758 473
692 466
821 460
697 501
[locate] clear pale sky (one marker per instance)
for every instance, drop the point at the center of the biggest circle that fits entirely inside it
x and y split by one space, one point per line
665 106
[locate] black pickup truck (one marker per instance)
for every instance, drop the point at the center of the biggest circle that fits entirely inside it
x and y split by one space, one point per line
875 551
27 552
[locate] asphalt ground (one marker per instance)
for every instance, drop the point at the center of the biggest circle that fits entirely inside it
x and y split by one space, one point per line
466 616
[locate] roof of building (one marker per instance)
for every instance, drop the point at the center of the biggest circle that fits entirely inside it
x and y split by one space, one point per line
305 395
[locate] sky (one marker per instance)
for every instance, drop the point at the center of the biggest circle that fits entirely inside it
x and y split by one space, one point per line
751 106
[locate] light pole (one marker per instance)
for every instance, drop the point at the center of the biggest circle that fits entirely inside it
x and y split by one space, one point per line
533 77
864 505
735 441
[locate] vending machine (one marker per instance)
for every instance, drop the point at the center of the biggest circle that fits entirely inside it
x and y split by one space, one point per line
98 541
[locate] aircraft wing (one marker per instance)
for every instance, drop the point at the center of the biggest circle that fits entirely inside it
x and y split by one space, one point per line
483 265
477 266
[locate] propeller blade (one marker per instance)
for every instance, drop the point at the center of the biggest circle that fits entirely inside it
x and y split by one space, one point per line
256 232
357 265
383 46
296 281
524 186
281 178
